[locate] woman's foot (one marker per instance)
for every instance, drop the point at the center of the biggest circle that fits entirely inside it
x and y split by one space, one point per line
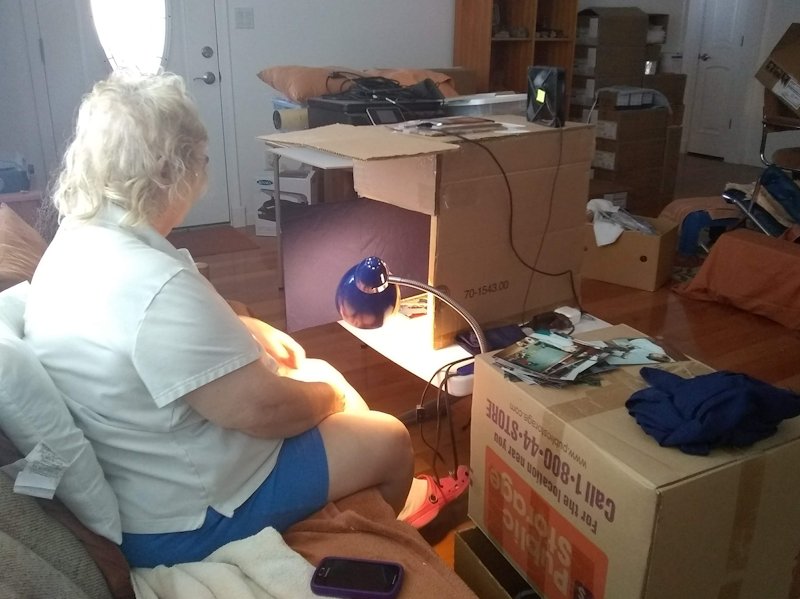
428 495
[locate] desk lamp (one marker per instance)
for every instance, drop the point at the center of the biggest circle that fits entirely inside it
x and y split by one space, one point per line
365 297
368 294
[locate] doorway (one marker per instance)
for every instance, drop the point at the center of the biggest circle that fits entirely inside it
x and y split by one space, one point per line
72 60
722 39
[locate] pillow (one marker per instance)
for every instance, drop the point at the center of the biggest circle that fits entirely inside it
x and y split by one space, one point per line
21 248
32 410
301 83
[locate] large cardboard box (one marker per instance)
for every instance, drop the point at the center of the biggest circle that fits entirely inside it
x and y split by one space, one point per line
627 156
632 124
641 182
624 62
672 85
585 504
635 259
466 193
780 72
672 150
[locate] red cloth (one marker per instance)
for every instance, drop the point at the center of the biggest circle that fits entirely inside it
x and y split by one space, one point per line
751 271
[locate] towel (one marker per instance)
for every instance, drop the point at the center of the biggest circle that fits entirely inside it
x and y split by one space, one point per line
258 567
718 409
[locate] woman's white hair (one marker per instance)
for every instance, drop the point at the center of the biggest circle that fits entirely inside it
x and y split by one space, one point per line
137 140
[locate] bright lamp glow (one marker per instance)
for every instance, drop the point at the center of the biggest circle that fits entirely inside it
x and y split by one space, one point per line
367 295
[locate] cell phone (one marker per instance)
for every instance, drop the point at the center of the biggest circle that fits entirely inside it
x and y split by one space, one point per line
357 578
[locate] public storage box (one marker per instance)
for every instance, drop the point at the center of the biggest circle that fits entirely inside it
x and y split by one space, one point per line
635 259
780 72
464 191
585 504
485 570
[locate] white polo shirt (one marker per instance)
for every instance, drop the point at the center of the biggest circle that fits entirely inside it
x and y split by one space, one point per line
126 326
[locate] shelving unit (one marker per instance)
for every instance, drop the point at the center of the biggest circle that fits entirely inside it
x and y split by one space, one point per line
500 39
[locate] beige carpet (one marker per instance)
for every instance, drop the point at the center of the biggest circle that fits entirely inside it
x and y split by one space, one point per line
209 241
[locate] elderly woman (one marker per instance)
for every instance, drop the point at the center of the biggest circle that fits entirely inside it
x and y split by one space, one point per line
209 427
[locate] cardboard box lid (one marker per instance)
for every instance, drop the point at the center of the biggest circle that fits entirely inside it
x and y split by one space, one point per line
599 415
360 143
379 142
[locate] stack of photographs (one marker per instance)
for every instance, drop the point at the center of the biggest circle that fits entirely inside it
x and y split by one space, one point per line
556 360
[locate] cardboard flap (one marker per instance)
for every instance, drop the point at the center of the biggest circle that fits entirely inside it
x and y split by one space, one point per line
360 143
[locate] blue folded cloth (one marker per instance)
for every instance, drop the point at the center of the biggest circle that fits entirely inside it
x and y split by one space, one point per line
719 409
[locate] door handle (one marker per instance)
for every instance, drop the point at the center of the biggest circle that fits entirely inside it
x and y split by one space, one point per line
208 78
704 56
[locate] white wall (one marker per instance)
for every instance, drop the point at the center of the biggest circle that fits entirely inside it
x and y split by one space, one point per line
349 33
346 33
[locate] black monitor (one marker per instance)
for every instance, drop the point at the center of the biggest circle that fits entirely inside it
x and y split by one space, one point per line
546 95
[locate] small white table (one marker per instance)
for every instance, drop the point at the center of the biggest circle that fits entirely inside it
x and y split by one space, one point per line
405 342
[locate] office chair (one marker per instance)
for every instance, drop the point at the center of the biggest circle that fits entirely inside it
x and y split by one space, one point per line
777 118
778 209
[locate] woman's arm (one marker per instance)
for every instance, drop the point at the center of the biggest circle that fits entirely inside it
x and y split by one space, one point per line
286 351
261 403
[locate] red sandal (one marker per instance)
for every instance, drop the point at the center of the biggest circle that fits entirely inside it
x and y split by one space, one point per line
440 493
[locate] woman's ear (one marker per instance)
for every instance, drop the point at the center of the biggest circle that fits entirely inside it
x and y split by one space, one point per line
165 172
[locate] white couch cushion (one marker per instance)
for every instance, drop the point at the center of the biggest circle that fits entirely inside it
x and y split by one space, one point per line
32 410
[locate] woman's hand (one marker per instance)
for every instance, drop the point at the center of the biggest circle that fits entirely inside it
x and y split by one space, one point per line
286 351
320 371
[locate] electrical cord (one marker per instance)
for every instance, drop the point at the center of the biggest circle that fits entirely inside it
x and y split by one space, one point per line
441 395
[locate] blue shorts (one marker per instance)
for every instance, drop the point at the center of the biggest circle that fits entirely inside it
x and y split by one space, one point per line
296 488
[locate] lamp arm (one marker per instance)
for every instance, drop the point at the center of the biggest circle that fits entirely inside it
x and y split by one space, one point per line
476 328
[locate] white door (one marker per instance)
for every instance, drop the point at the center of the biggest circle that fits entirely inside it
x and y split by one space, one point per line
719 81
73 61
193 53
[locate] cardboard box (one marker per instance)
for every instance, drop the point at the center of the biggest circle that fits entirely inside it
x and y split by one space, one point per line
627 156
612 26
672 156
625 62
780 72
644 196
612 191
625 97
585 504
296 186
635 259
632 125
672 85
478 563
467 196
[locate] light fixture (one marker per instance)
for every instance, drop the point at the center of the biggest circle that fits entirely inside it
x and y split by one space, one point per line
365 297
368 294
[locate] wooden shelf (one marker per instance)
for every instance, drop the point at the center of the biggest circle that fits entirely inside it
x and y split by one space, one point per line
501 63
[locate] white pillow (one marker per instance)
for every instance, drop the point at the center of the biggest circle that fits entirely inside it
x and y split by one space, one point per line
33 410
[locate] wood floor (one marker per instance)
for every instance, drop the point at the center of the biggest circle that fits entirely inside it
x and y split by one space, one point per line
722 336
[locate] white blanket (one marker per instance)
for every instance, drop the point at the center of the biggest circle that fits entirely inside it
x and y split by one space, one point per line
260 567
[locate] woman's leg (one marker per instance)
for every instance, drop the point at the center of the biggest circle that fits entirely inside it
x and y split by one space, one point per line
368 449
